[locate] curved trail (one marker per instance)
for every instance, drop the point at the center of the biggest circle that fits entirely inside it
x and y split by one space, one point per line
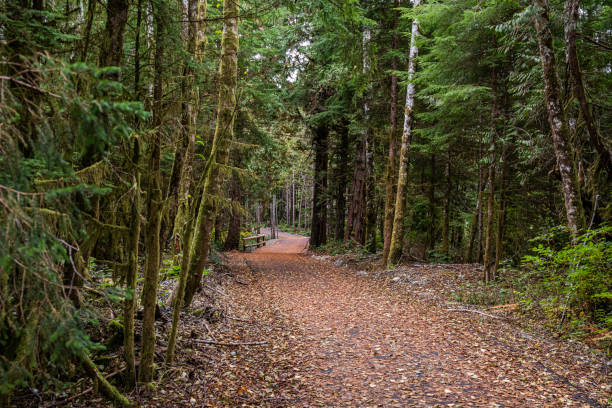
363 343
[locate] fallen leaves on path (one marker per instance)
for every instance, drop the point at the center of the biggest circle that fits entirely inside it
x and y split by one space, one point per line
369 343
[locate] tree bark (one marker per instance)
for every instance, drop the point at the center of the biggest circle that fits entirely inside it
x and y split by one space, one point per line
501 213
355 223
431 238
341 179
129 305
233 231
558 123
224 131
152 231
111 52
447 200
489 262
475 219
318 234
571 56
91 11
391 160
397 234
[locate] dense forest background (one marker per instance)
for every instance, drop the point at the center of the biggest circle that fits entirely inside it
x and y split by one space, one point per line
137 135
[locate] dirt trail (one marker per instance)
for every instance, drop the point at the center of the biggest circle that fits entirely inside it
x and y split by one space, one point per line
362 343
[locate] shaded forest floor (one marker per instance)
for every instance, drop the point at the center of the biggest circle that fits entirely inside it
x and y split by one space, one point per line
341 335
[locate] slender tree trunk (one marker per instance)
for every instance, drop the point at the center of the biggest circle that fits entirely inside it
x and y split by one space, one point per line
558 123
481 231
475 220
370 214
489 262
571 56
391 161
129 304
397 235
341 181
370 196
137 88
501 213
189 90
273 217
432 205
152 232
177 299
293 199
224 132
447 200
91 11
233 231
318 234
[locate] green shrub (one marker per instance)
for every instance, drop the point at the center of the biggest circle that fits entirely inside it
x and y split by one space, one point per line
571 282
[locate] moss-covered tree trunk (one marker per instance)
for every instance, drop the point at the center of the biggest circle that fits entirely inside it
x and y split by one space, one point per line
182 217
129 305
397 234
224 132
557 120
573 62
154 207
391 156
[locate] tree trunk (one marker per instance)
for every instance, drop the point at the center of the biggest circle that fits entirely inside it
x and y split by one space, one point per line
318 234
355 223
432 204
391 161
397 234
177 299
224 131
341 179
558 123
152 231
111 52
489 262
137 88
571 56
370 196
501 212
475 220
129 304
91 11
447 200
273 217
233 231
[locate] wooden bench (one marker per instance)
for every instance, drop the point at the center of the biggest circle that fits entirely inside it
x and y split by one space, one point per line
260 240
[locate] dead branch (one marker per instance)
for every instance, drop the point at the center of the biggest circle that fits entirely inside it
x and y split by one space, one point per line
222 343
476 311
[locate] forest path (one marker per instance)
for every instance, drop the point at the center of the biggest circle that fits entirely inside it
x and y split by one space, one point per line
356 342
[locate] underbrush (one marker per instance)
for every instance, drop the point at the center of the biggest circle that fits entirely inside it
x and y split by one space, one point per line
565 286
339 247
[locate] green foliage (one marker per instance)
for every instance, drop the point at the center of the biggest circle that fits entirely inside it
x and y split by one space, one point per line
575 281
